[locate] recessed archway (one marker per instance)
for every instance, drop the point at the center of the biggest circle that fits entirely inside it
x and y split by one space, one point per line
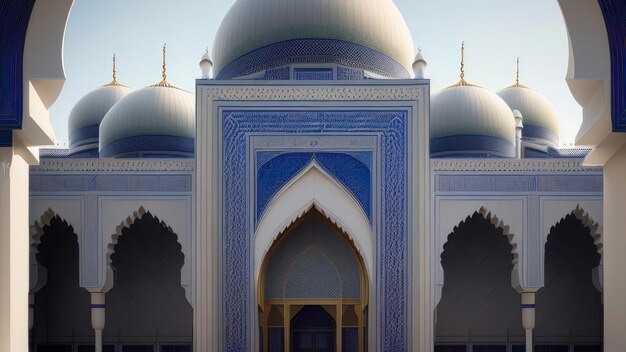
313 266
479 307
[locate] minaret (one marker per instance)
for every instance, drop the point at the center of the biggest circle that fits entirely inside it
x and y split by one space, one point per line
206 65
419 65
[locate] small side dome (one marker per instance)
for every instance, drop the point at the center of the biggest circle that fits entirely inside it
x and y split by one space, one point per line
156 121
87 114
541 121
470 120
467 120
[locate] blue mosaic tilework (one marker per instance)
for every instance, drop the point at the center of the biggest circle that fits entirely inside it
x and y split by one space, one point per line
392 279
352 173
350 74
313 74
541 133
615 18
149 146
84 136
277 74
564 153
314 51
474 145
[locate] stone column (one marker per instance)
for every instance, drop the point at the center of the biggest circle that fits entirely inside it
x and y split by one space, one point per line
98 317
528 318
14 251
614 247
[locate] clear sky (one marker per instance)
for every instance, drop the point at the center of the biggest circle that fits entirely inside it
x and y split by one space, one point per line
495 33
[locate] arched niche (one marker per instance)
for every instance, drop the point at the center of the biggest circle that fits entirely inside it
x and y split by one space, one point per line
147 304
175 212
569 308
314 188
451 213
589 211
313 265
60 307
478 303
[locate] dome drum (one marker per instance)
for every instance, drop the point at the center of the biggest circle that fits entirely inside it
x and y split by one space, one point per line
156 146
307 51
471 146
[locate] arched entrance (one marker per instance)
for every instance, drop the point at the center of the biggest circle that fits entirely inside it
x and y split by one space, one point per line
62 320
147 310
569 306
479 309
313 290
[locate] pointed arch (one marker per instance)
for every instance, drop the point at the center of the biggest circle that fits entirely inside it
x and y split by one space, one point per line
314 188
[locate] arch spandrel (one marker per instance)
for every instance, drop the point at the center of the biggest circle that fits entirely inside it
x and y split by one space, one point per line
311 189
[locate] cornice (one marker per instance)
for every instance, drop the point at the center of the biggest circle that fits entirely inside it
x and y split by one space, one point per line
511 165
114 165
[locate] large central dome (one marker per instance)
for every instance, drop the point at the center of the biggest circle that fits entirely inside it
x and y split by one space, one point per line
258 35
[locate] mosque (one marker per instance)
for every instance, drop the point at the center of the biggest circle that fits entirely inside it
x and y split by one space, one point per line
313 194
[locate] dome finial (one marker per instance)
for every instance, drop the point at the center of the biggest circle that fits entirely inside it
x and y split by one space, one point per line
462 82
517 83
164 82
164 64
462 60
517 73
114 82
114 71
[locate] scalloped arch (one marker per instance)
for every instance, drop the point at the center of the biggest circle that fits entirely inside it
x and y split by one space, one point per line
137 215
499 224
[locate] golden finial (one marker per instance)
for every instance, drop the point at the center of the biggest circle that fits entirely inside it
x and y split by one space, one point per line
517 83
164 82
206 51
517 73
114 71
462 60
114 82
164 64
419 49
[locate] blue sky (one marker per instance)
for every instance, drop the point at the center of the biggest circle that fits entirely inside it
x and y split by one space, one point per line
495 33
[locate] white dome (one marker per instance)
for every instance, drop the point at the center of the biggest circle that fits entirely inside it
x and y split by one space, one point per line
156 120
541 121
85 117
255 24
467 119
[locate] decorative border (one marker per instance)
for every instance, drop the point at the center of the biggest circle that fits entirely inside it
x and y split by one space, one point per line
512 165
113 165
392 279
614 12
314 51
